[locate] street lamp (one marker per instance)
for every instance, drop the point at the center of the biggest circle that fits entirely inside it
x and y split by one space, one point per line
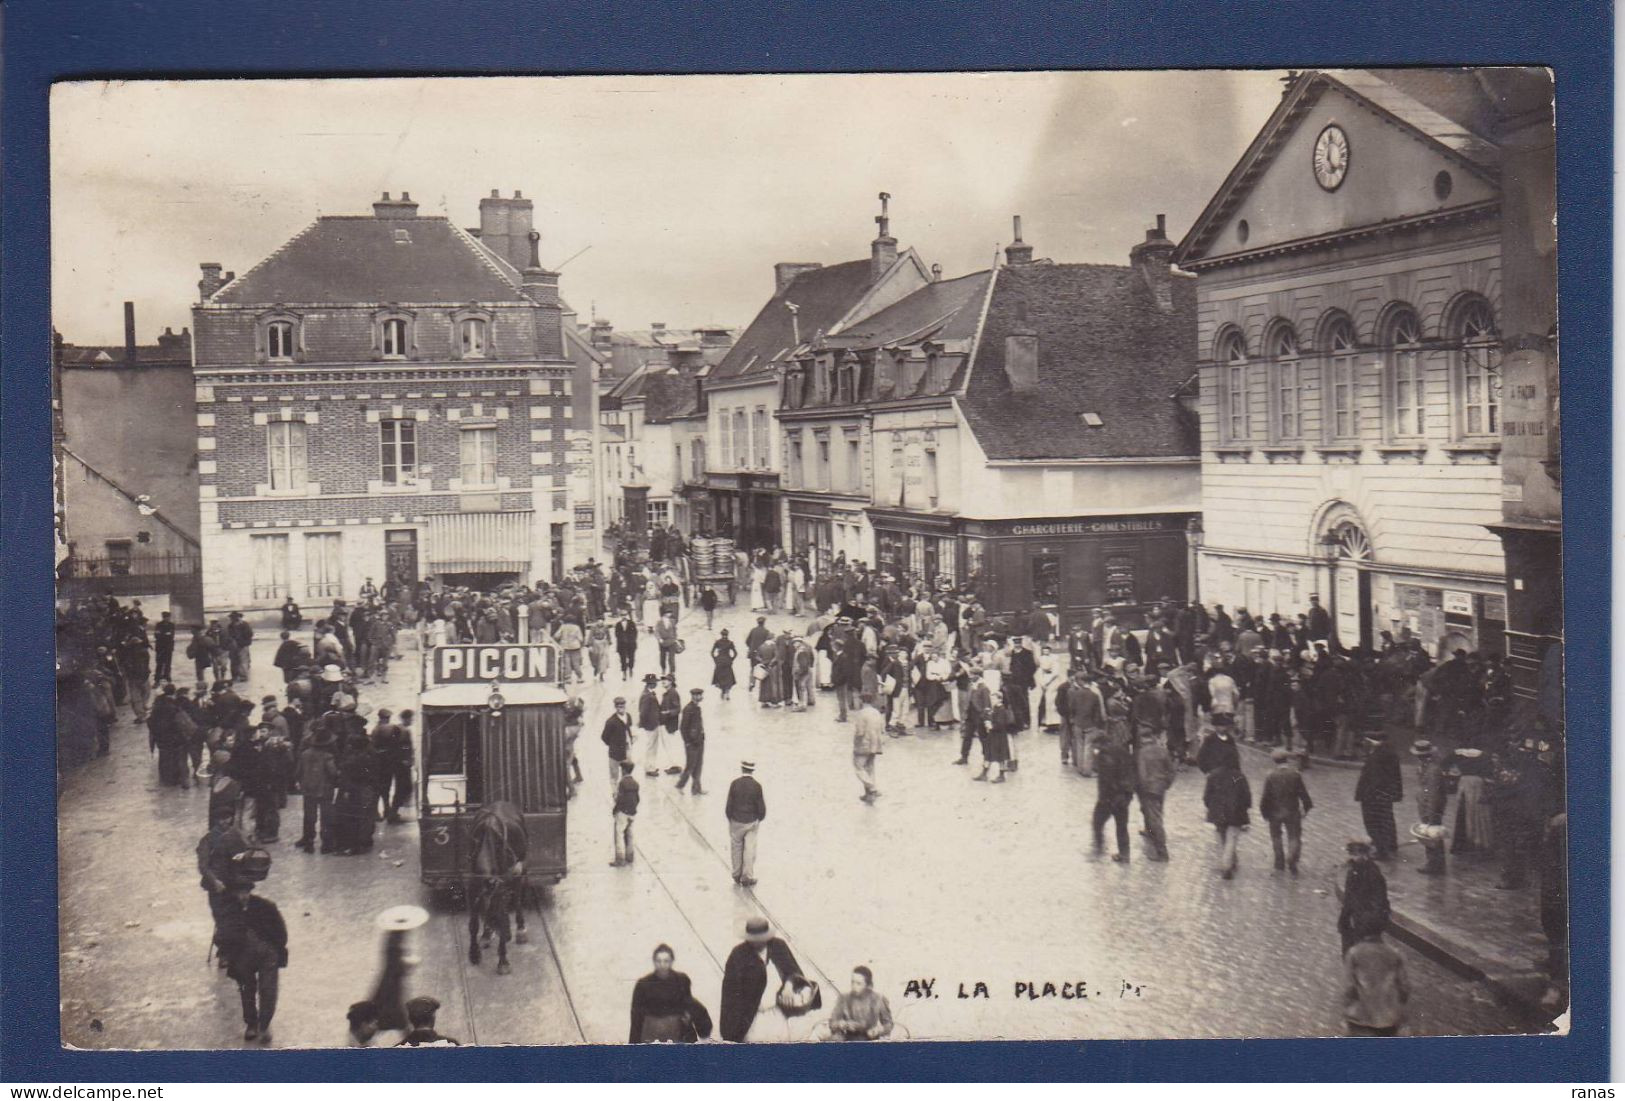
1332 547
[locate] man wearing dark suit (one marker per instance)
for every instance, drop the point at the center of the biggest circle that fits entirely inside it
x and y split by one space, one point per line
747 1014
617 736
692 728
626 647
745 810
163 648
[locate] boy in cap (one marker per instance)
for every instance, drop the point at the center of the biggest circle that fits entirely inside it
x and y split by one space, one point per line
1364 895
625 811
420 1013
692 729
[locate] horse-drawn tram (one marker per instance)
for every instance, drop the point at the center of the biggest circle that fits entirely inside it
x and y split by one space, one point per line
495 766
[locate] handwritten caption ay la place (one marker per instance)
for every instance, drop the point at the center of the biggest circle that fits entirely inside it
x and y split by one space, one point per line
1069 991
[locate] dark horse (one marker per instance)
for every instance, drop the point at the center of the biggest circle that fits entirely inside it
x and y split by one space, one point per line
496 880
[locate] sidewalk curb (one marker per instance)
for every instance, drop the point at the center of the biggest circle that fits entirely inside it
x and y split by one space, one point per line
1522 989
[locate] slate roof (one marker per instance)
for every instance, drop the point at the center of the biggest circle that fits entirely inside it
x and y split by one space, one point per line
112 355
1104 347
944 311
822 297
364 259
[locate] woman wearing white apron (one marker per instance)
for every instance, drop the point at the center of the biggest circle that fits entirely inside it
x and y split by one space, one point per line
758 598
1049 688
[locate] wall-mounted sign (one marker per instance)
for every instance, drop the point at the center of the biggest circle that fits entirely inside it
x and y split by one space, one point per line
584 518
1458 603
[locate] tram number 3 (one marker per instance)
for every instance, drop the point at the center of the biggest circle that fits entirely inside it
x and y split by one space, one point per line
441 836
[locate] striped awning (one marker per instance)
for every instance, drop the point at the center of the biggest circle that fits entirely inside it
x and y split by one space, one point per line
479 542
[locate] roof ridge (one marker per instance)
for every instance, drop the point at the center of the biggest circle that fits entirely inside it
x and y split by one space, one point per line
482 252
273 254
981 324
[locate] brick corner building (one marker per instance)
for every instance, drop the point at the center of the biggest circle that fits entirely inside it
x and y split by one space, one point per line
384 396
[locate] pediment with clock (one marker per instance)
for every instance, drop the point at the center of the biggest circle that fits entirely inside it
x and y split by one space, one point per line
1332 160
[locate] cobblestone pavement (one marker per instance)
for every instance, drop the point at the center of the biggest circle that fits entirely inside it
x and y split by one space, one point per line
943 879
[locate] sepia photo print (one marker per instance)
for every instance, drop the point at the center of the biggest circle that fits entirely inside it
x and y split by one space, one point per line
808 558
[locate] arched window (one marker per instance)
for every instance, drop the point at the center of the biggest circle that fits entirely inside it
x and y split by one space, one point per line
472 333
1342 377
1478 369
279 340
1286 382
1236 402
1407 386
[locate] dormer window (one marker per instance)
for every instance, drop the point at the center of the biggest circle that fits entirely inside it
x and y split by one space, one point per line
279 340
473 337
394 338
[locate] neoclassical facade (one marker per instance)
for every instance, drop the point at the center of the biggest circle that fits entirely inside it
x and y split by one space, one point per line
1349 297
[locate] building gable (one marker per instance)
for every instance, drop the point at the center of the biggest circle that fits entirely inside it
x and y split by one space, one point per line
1401 166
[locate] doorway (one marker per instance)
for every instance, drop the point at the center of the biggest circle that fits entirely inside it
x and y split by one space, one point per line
401 562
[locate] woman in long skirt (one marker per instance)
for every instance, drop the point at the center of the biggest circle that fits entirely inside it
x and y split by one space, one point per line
758 595
723 653
353 817
772 682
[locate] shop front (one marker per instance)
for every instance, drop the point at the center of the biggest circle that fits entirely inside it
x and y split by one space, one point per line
745 508
913 546
812 533
1076 565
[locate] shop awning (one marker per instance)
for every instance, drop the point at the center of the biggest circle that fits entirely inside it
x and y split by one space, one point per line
479 542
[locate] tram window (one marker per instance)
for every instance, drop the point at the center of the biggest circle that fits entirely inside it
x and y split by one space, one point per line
475 763
445 756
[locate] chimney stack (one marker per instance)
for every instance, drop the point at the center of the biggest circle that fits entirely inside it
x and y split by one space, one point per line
784 273
602 331
1018 252
129 334
883 250
211 280
1152 258
505 226
403 207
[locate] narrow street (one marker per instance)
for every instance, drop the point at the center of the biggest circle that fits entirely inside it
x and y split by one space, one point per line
1002 889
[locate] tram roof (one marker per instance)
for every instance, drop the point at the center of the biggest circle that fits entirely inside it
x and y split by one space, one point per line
475 695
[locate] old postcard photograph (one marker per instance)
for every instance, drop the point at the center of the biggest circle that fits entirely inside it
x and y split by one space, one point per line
808 558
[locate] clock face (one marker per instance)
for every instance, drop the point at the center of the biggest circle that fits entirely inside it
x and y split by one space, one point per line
1331 157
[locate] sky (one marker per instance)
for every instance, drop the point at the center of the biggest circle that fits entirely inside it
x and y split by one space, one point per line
663 198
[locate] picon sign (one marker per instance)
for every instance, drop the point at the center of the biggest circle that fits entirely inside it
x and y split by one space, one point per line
503 662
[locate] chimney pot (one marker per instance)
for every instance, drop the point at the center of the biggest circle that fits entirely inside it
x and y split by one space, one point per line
129 332
936 273
495 194
1162 225
518 194
405 196
1018 252
386 197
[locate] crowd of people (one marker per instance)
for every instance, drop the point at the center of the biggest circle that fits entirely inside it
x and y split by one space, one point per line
1132 704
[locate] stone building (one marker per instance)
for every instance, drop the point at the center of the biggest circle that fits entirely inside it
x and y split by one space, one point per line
127 460
744 447
1018 429
1350 353
384 396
